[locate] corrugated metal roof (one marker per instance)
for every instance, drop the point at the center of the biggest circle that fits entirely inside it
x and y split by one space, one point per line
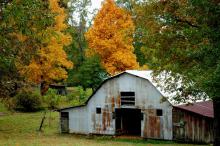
204 108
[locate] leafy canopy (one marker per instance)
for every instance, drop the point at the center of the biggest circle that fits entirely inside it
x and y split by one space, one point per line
181 37
50 61
111 37
20 25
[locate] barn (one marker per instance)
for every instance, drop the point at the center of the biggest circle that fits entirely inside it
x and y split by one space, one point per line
126 104
193 122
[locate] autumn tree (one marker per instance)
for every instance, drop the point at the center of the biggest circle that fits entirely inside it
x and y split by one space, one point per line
111 37
40 57
182 40
52 61
20 24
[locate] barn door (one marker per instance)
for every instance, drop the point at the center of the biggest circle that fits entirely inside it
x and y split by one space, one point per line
64 122
178 125
118 121
153 124
154 127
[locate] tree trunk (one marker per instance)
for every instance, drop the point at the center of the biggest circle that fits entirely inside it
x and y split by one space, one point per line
44 88
216 130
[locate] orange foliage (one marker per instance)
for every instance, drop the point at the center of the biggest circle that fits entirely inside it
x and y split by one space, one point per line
51 60
111 37
19 36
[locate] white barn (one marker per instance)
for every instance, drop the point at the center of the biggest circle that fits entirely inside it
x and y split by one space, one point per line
127 103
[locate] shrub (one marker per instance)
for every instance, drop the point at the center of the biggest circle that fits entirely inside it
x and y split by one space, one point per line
79 96
51 99
27 100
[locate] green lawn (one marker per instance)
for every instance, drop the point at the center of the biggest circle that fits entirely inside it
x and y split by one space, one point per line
20 129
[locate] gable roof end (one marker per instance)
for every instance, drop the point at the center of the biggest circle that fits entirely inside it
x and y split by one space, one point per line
141 74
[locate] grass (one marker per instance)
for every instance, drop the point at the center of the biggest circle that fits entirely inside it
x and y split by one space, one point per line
3 109
21 129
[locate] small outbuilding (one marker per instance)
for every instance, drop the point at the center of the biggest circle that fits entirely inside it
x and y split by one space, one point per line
128 103
193 122
60 89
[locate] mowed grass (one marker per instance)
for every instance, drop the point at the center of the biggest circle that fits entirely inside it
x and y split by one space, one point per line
21 129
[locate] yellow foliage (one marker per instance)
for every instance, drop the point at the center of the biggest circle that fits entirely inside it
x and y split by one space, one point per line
61 16
111 37
51 60
19 36
144 67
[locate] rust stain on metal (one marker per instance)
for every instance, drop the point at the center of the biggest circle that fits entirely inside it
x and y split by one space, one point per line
154 127
98 128
119 101
106 119
151 112
113 103
157 127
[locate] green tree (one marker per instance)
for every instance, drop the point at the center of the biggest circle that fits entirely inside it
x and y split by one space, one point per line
78 18
79 27
91 74
133 7
182 39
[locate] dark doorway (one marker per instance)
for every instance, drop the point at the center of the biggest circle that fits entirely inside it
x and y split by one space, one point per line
128 121
64 122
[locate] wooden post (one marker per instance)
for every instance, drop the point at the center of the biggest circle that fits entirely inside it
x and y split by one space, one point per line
42 121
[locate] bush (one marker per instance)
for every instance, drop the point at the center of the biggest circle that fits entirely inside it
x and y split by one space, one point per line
79 96
51 99
27 100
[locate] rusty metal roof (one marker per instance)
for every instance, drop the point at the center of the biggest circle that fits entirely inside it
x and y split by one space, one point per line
204 108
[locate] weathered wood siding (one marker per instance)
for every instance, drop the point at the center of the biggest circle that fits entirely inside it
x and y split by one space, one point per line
191 127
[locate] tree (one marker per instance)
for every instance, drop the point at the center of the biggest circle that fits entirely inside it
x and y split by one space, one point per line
91 74
182 40
111 38
20 24
78 19
132 6
80 7
50 61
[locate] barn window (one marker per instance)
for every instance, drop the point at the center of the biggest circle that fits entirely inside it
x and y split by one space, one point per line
128 98
159 112
98 110
64 115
